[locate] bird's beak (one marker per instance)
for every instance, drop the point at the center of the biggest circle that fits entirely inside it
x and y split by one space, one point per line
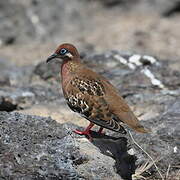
51 57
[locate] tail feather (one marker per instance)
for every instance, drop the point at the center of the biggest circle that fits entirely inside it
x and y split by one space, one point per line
131 120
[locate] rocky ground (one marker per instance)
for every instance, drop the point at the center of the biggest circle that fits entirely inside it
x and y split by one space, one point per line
135 44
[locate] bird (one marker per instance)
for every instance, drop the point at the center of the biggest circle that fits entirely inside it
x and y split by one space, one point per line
92 95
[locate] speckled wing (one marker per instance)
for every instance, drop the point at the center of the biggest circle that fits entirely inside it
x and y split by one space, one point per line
99 101
86 96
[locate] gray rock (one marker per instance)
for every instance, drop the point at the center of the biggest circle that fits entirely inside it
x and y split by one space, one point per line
12 75
34 147
13 98
17 90
163 143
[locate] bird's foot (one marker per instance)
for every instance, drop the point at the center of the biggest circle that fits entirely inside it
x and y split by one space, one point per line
86 133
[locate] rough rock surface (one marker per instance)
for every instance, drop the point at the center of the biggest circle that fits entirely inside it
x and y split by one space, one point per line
163 143
34 147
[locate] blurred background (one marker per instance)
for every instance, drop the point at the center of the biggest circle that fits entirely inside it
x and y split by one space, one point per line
106 32
31 29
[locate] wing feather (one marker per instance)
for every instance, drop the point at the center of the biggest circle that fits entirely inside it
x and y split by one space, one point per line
99 101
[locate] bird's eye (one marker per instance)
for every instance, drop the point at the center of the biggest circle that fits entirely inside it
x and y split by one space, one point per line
63 51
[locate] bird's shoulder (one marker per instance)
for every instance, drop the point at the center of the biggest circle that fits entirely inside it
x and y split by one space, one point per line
89 81
109 92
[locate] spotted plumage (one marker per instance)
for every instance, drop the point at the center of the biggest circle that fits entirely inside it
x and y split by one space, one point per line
94 109
91 95
88 86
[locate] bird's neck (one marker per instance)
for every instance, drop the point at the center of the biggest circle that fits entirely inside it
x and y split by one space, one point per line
68 68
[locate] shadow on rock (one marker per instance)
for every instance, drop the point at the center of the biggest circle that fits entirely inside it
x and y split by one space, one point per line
116 147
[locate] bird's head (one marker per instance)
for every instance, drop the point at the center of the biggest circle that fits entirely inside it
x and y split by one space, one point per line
65 52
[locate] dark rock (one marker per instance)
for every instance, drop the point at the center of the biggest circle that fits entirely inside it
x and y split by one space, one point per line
112 3
173 9
7 105
34 147
163 7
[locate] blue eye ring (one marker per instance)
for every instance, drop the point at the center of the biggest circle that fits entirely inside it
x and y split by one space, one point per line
63 51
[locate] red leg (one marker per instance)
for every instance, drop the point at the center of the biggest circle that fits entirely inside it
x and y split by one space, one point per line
86 131
100 130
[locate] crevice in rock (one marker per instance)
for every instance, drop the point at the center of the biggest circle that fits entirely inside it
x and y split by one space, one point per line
79 160
116 147
6 105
